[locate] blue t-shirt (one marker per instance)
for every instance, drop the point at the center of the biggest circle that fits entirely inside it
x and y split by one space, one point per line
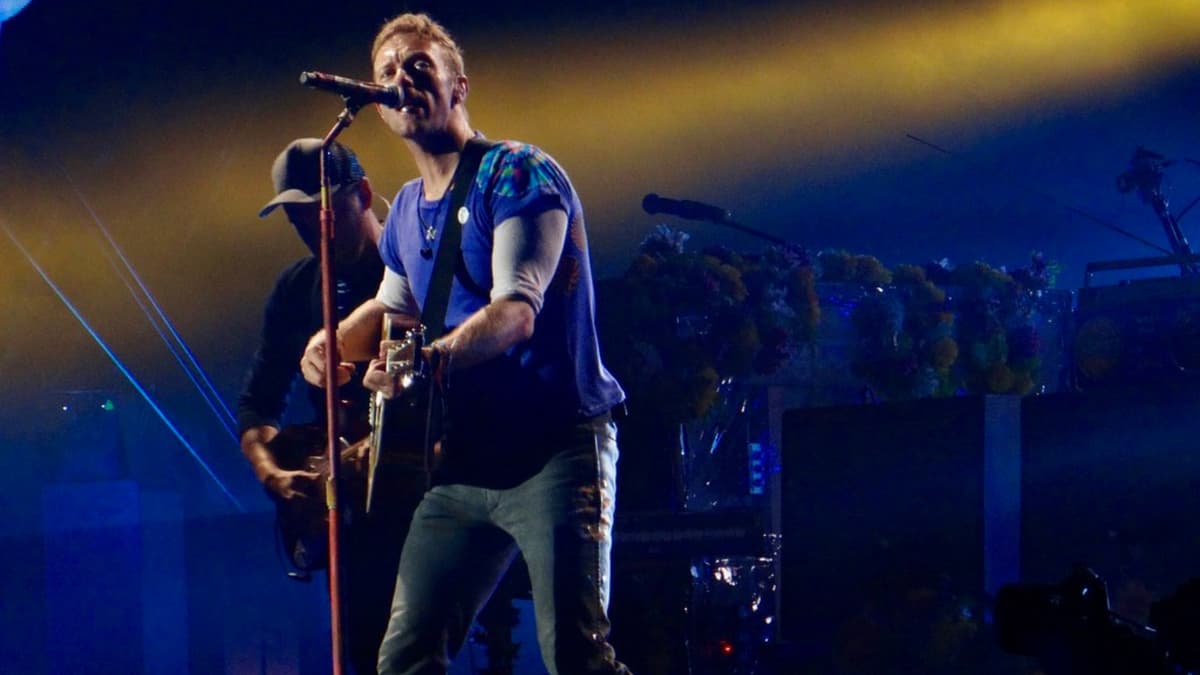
556 378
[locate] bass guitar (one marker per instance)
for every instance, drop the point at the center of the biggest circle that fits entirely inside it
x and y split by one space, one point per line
302 523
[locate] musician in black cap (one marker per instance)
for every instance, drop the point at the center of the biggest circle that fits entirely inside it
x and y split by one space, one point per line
293 313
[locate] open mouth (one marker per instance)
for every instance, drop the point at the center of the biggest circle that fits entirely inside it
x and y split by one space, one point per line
412 104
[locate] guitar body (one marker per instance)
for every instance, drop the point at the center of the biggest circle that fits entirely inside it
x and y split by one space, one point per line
303 524
395 474
397 443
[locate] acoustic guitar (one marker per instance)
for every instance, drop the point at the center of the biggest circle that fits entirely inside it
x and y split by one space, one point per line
394 467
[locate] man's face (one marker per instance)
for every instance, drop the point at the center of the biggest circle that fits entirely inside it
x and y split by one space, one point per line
348 227
430 85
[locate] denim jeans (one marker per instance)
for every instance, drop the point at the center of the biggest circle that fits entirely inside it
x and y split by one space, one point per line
372 544
463 538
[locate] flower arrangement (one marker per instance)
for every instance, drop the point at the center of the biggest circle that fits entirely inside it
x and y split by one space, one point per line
680 322
951 330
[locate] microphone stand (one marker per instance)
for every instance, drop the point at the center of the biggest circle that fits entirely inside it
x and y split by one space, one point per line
779 241
329 316
728 221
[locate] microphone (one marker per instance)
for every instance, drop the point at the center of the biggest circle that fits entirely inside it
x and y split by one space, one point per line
685 208
354 90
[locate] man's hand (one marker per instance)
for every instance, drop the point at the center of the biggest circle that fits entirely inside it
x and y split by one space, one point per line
285 484
312 364
293 486
403 355
354 457
377 379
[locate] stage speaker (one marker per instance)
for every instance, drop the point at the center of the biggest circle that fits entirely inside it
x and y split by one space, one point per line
891 514
1138 331
1111 478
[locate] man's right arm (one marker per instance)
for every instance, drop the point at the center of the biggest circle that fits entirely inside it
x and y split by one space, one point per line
357 340
358 337
264 395
254 447
284 483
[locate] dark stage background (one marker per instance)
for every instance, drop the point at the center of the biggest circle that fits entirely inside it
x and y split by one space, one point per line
160 120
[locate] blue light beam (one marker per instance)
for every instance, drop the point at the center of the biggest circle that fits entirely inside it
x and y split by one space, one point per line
175 343
124 371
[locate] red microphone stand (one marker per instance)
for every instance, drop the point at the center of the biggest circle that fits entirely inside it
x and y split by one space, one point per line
329 315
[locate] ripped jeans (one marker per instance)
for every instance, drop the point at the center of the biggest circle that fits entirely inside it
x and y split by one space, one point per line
463 538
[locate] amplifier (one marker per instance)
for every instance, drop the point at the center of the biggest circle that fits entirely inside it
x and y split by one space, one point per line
1143 330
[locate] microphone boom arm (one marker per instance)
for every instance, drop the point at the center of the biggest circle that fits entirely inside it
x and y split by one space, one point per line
691 210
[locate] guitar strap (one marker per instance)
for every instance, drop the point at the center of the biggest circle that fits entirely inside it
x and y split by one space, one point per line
449 263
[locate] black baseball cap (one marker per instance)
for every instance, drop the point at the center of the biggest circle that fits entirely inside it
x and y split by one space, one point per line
297 172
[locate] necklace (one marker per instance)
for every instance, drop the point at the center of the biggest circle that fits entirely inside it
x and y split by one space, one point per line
429 230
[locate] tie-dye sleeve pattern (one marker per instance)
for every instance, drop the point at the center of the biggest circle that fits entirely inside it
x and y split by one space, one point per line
522 180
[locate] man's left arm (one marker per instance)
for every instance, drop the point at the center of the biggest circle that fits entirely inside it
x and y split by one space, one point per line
525 256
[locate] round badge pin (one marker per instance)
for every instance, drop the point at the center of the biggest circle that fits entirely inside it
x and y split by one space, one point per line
463 214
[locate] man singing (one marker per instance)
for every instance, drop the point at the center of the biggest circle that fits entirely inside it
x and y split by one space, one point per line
527 460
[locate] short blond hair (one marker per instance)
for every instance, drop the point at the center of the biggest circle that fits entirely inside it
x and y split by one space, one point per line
422 25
